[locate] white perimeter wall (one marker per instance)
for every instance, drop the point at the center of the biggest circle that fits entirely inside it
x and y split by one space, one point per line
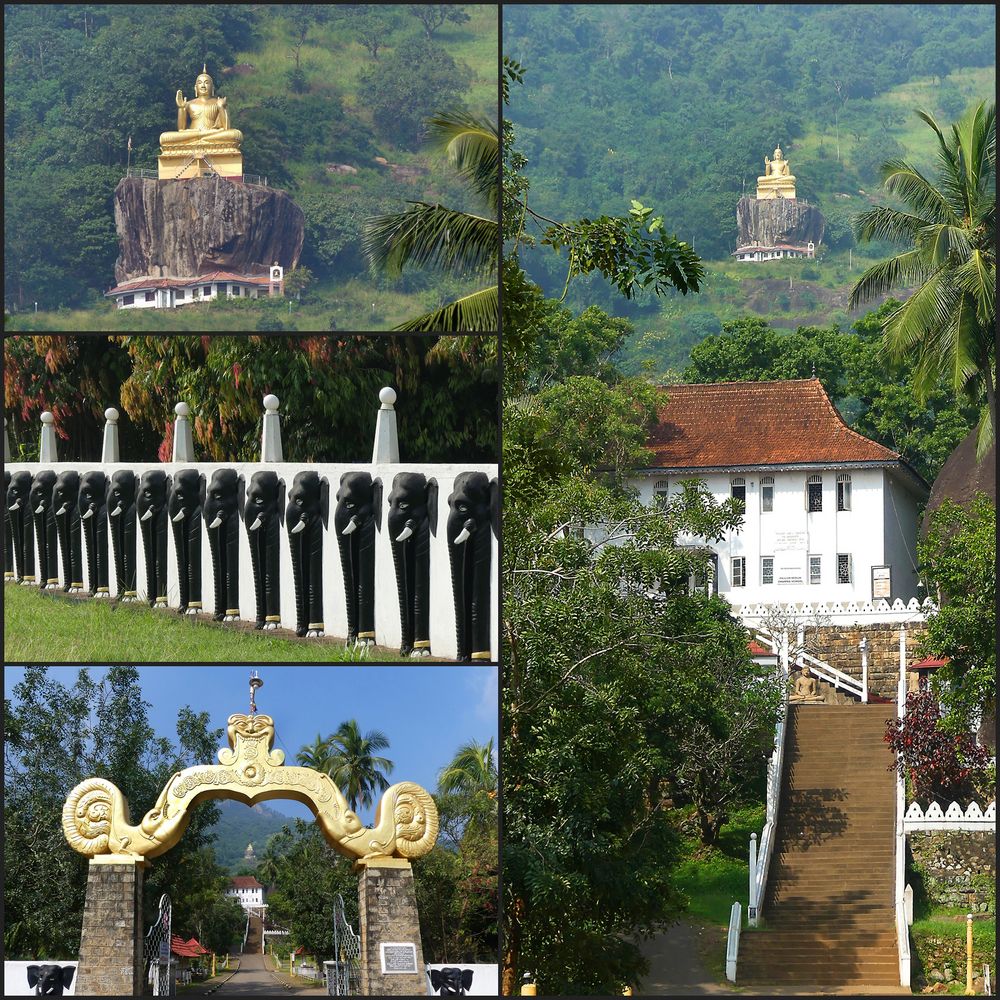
387 627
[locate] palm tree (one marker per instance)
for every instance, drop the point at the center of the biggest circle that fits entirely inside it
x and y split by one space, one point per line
314 755
949 320
472 771
460 243
353 765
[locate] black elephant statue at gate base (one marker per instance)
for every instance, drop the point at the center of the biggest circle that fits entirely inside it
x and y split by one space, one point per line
120 505
65 509
18 515
306 517
410 521
151 509
264 514
50 980
450 982
186 502
223 508
94 524
472 520
8 537
40 504
357 517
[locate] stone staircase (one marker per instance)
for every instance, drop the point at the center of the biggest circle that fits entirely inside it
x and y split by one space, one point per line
255 937
828 920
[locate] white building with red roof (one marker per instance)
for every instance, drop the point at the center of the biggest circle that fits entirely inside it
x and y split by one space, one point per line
831 516
247 891
168 293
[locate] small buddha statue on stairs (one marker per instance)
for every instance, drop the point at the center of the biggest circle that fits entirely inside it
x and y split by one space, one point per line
208 143
805 691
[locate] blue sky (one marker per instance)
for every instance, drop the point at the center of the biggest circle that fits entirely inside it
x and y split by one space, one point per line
427 712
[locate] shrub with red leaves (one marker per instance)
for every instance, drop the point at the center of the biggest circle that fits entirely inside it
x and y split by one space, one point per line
941 765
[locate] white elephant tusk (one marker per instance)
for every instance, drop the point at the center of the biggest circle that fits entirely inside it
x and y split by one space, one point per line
90 513
217 521
62 509
255 525
351 526
147 515
40 509
405 533
298 527
16 505
462 536
178 517
117 511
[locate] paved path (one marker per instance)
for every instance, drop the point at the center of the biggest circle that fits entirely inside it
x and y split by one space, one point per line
675 963
254 979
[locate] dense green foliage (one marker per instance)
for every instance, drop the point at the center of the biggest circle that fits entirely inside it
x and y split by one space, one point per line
874 394
303 86
328 390
54 737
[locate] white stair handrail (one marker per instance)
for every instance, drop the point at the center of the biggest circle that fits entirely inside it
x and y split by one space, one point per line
733 942
902 931
834 676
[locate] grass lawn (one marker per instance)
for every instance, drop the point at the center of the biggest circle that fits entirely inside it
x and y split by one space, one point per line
942 932
43 629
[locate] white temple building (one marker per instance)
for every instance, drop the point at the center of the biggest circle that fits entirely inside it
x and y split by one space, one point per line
831 517
247 891
168 293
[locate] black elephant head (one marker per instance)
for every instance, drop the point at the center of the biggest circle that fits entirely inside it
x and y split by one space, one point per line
355 519
224 505
306 516
94 522
263 514
185 506
65 497
473 509
18 512
410 521
8 544
151 508
121 498
451 982
50 980
40 502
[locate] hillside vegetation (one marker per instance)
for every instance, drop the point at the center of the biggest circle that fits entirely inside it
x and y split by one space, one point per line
330 99
678 105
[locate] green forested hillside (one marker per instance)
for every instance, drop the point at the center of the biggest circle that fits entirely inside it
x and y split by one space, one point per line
677 105
330 99
240 825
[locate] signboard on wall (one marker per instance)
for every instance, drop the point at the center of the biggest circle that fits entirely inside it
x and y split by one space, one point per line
398 957
789 567
881 582
790 541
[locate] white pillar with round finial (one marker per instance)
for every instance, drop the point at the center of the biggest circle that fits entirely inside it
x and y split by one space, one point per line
109 449
270 437
183 437
386 448
47 448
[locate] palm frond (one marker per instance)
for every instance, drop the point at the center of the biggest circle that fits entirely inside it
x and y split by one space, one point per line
896 272
922 318
908 183
977 275
473 147
884 223
475 313
432 236
985 433
937 243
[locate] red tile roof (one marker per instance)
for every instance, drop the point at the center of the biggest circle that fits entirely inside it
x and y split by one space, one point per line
201 279
732 424
929 663
756 649
187 949
244 882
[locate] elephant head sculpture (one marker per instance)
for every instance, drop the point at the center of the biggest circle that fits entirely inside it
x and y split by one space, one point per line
473 510
357 515
40 503
451 982
65 498
94 522
410 521
8 538
185 505
151 509
120 505
263 514
306 516
224 506
50 980
21 526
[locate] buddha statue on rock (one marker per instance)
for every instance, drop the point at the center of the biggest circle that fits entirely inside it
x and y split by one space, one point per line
208 144
778 181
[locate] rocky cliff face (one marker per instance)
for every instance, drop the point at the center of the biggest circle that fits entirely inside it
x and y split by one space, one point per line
778 220
185 228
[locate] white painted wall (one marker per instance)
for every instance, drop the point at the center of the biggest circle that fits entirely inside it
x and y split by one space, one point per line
387 627
869 532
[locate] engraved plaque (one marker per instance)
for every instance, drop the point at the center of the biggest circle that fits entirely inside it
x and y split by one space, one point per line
398 957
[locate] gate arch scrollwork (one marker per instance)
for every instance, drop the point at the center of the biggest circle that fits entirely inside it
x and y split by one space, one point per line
96 815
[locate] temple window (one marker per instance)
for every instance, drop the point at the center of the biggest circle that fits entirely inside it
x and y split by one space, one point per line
844 491
127 300
767 569
739 571
767 493
815 569
180 294
738 489
814 494
150 296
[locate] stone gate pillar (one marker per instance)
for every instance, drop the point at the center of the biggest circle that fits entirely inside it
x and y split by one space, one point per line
387 908
111 962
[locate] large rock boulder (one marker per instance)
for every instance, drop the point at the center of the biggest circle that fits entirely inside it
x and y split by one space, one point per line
778 220
190 227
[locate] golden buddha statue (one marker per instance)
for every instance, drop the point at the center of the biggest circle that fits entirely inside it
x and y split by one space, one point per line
208 144
778 181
